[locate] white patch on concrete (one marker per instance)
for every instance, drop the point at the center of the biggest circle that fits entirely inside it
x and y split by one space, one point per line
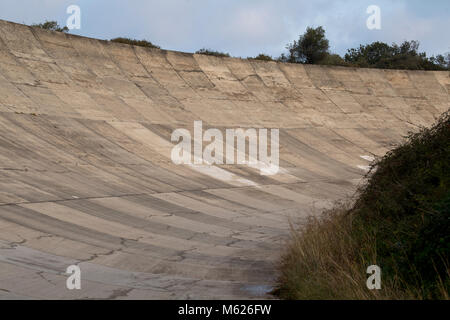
140 133
222 174
368 158
365 168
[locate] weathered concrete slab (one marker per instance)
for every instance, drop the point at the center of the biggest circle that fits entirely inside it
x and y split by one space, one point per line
86 175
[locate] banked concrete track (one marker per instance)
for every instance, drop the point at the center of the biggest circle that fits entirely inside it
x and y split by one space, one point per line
86 176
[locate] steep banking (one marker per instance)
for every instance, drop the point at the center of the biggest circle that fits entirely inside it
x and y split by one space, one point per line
86 175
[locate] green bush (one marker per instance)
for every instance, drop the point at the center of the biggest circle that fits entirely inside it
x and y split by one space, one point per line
405 56
261 56
210 52
140 43
333 60
406 204
51 25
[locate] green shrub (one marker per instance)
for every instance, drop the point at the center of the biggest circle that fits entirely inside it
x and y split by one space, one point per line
406 203
51 25
140 43
333 60
210 52
261 56
405 56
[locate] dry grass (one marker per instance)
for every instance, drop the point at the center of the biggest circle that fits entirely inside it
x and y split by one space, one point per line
324 261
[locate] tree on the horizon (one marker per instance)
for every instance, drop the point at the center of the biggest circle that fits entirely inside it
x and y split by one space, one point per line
311 47
404 56
442 60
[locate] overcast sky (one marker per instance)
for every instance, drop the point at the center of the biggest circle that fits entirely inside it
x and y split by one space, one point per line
246 27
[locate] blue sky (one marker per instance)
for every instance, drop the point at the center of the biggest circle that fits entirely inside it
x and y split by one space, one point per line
246 27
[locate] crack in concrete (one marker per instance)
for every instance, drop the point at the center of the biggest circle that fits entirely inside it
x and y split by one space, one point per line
41 275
